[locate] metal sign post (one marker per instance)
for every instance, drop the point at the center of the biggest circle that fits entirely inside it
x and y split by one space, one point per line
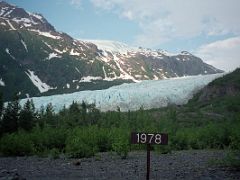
149 138
148 161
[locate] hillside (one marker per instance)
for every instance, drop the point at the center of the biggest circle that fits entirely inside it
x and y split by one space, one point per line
228 85
221 95
38 60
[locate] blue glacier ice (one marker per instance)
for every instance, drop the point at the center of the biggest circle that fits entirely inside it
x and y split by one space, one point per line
146 94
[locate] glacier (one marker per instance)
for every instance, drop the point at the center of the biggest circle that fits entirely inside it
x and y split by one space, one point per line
145 94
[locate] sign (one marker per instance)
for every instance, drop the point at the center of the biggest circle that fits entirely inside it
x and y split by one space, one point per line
149 138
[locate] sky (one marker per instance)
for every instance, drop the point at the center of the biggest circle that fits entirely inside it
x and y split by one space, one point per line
209 29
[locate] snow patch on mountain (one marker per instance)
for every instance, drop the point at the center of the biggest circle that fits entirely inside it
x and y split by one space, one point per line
124 74
53 55
73 53
8 52
106 78
115 47
42 87
112 46
8 13
46 34
147 94
11 26
24 20
2 83
2 12
48 45
166 53
36 16
90 78
185 53
77 70
24 44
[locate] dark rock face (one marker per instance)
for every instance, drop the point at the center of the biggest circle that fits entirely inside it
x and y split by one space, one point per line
182 65
213 92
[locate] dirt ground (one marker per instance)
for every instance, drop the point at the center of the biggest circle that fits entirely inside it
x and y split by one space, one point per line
177 165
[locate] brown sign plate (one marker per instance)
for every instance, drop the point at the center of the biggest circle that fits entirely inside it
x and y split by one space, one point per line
149 138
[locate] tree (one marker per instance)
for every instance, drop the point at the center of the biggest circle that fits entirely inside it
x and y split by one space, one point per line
84 111
11 116
49 115
93 114
1 104
27 116
74 114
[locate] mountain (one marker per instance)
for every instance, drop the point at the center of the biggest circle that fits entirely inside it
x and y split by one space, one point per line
38 60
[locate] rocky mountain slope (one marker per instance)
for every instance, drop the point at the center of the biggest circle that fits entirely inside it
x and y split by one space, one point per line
224 87
37 60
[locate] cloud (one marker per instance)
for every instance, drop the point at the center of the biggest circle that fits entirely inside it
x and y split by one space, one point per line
222 54
76 3
164 20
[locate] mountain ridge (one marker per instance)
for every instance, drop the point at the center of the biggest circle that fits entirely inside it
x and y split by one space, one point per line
38 60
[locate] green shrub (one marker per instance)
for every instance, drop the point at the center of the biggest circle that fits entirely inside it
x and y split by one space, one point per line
213 135
180 141
48 138
54 153
104 140
16 144
76 148
121 146
81 142
235 138
231 160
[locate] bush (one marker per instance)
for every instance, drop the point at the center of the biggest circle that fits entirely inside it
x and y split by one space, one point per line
77 149
104 140
180 141
213 136
54 153
235 138
48 138
17 144
81 142
121 146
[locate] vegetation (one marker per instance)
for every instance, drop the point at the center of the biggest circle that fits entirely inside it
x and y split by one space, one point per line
82 130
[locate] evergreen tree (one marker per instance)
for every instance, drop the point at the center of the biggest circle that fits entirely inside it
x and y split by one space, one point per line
11 116
1 104
41 120
74 108
74 114
49 115
84 112
93 114
27 116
